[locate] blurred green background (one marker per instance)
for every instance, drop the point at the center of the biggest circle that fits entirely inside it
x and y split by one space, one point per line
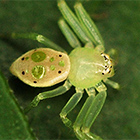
119 24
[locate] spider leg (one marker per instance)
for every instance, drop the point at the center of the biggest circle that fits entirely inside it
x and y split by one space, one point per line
73 101
39 38
100 87
88 24
88 114
48 94
80 118
83 26
70 36
92 114
73 21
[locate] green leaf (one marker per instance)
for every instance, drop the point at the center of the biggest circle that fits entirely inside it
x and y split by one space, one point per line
13 123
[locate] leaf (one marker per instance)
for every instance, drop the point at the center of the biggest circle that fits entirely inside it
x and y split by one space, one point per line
13 123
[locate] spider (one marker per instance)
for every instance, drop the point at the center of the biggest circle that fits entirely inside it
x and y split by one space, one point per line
86 68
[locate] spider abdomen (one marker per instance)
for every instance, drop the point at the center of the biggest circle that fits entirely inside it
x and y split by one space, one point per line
87 67
41 67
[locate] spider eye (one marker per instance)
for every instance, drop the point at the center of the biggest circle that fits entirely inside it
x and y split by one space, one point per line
108 64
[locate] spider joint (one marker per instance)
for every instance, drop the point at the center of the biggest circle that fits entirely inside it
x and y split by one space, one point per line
40 38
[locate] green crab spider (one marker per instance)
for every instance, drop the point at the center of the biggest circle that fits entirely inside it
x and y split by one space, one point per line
87 68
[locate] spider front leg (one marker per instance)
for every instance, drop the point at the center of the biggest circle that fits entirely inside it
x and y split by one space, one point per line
92 114
89 113
82 25
48 94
